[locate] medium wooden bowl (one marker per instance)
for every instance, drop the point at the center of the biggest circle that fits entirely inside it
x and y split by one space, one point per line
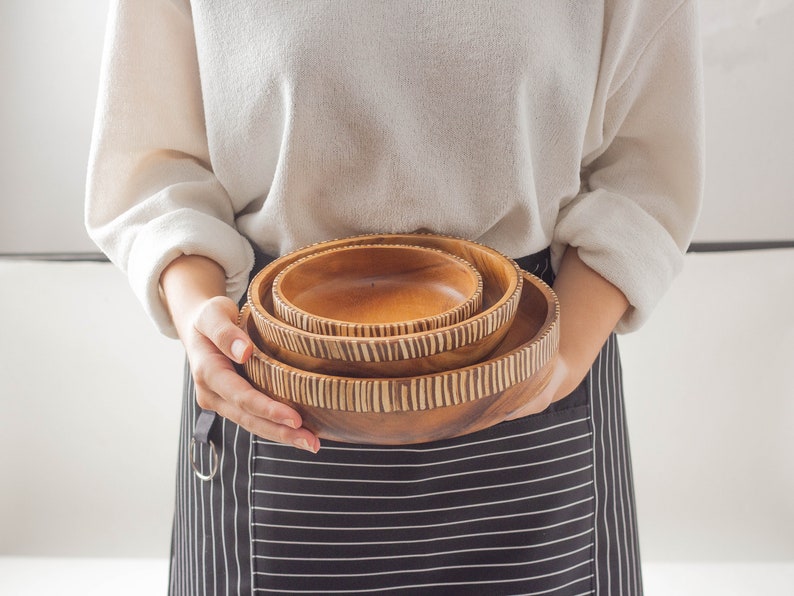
445 348
376 290
426 407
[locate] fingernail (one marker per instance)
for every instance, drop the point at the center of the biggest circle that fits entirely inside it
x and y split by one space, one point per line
238 349
303 444
288 422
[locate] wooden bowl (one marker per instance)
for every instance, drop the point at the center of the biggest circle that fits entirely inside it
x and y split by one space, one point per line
445 348
426 407
376 290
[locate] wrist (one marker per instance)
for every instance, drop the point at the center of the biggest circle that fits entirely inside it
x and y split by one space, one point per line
590 308
187 283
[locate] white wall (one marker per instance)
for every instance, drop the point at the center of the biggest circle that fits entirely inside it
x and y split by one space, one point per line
89 406
49 66
49 63
711 411
749 83
89 396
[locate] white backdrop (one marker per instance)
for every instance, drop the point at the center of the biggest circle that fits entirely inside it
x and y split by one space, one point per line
49 63
711 432
89 407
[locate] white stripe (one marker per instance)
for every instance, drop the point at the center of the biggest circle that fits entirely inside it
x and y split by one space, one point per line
417 481
434 553
420 495
202 521
182 501
249 495
176 550
612 465
601 435
620 466
427 464
435 585
546 265
418 511
375 449
191 508
221 467
440 568
236 512
213 539
422 526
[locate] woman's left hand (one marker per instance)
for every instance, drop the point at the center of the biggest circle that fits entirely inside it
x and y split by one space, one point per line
590 307
562 381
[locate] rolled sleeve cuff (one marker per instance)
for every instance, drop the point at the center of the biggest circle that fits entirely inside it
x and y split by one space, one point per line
624 244
185 232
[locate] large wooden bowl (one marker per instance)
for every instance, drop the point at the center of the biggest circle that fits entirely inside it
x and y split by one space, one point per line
445 348
425 407
377 290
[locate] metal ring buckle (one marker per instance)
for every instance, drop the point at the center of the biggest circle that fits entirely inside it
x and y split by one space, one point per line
213 458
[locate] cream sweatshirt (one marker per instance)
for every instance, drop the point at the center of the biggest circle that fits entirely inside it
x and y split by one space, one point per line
522 125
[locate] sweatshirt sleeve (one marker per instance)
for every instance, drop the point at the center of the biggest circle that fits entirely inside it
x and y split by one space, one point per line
642 181
151 194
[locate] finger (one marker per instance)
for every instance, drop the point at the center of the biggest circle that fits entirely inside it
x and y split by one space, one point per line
234 388
214 373
548 394
226 392
533 406
300 438
263 415
217 321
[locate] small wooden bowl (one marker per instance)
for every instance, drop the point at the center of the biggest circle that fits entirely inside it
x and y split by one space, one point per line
425 407
445 348
376 291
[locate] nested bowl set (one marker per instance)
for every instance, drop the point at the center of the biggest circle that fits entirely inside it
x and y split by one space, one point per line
399 338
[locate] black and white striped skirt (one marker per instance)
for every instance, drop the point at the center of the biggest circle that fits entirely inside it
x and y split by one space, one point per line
539 505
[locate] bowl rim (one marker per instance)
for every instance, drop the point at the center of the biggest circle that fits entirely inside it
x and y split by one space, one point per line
421 392
292 314
387 348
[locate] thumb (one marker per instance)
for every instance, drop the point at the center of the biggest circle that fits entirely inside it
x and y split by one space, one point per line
217 321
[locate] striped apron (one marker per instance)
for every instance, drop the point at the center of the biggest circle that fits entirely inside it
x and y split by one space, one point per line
539 505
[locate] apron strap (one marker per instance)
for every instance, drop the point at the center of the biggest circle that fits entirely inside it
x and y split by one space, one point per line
201 433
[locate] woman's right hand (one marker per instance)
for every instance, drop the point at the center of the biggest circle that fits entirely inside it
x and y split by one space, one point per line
206 321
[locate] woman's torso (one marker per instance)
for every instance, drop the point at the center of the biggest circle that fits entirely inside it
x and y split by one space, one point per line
325 119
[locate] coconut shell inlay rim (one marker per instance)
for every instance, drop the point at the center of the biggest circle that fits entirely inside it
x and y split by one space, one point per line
441 348
409 409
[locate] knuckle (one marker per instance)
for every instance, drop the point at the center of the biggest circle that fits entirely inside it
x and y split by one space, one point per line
205 399
282 435
250 423
223 334
201 377
267 407
270 409
216 313
259 404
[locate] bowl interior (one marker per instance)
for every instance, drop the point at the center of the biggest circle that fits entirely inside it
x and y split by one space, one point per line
376 284
459 344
